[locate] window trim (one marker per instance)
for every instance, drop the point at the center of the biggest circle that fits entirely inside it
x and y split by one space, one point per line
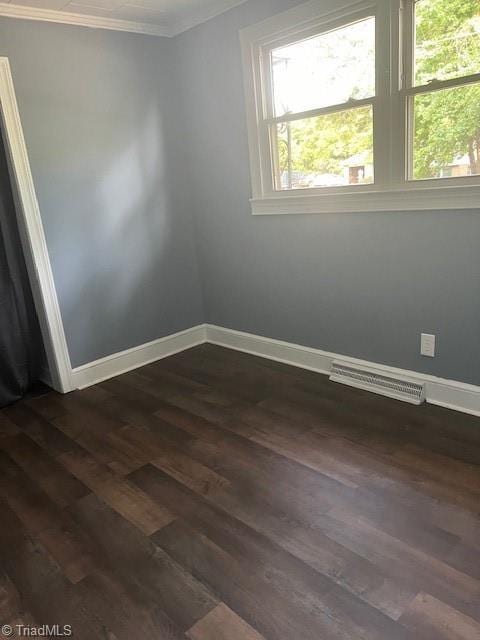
392 189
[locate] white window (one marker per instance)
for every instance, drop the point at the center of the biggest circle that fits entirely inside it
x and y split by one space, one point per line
371 107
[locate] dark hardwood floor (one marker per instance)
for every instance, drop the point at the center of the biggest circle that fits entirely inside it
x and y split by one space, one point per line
217 496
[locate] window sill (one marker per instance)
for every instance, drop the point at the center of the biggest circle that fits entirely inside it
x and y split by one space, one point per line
361 201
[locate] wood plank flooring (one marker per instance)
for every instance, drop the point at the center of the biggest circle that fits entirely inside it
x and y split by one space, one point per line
218 496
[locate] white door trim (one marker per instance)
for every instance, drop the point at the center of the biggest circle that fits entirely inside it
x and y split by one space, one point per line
33 237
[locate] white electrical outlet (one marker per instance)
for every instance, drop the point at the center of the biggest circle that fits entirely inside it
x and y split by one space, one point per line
428 345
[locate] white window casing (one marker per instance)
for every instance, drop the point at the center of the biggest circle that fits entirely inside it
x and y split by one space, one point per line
393 189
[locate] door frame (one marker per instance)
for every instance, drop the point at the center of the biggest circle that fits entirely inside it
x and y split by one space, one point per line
33 237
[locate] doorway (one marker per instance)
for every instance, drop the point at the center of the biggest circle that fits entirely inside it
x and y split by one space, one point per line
22 354
32 237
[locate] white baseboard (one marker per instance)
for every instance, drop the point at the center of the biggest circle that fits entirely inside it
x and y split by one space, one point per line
118 363
286 352
439 391
451 394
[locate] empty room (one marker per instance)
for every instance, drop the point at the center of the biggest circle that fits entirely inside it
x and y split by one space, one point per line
240 319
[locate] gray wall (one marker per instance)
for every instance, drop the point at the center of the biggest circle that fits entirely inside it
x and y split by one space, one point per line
134 141
364 285
98 112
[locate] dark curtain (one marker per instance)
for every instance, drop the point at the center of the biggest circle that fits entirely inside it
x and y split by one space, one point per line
21 346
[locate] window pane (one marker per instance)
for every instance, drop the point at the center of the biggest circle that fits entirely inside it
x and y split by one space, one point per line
447 39
327 151
325 70
447 133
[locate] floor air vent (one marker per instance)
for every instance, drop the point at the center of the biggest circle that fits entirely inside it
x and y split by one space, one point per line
378 382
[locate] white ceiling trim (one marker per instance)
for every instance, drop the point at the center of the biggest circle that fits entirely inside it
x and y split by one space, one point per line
81 20
168 29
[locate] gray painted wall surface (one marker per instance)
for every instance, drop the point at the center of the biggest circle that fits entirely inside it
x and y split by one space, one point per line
98 112
131 137
364 285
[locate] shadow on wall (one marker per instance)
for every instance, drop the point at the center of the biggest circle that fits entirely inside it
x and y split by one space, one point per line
128 271
99 114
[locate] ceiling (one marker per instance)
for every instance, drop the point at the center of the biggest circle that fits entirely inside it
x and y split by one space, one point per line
155 17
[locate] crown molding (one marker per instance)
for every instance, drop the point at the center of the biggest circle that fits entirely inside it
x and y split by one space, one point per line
81 20
168 29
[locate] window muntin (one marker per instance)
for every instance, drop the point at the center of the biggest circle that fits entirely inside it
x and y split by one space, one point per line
324 70
444 95
402 179
322 95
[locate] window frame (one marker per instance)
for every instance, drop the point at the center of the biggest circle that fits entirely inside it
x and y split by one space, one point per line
271 120
410 90
393 189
